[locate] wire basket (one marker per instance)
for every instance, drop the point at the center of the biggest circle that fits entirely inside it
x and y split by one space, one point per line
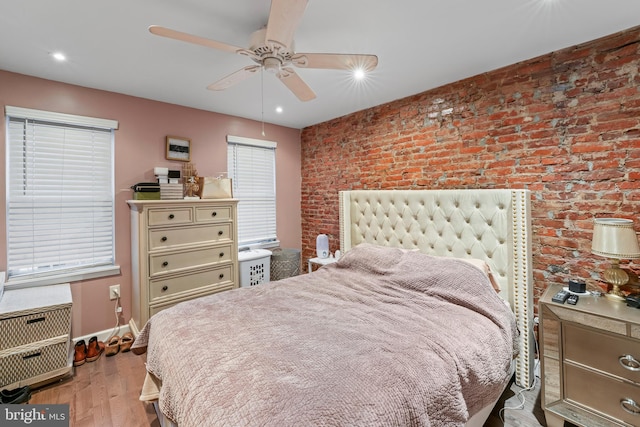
284 263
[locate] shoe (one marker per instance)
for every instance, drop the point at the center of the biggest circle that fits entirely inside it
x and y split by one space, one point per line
113 346
15 392
80 355
94 349
126 341
22 396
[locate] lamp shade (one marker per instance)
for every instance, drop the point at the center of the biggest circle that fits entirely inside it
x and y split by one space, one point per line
615 238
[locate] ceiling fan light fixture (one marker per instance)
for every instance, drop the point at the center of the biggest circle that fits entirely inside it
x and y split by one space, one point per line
359 74
272 64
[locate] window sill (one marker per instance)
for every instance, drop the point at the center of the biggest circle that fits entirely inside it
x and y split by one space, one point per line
67 277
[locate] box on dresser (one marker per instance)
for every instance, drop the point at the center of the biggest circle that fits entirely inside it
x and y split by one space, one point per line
590 354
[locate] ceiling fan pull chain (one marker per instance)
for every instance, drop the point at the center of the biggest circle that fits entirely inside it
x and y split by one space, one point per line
262 96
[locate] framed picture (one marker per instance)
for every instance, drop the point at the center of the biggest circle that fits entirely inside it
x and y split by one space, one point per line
178 148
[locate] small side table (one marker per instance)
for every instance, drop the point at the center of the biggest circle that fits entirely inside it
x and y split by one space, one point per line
321 262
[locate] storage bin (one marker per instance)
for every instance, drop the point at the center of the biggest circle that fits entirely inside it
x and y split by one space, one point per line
254 267
285 263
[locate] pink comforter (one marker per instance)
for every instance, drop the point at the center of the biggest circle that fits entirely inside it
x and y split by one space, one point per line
383 337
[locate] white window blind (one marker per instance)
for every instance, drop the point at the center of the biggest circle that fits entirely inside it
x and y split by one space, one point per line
252 168
59 193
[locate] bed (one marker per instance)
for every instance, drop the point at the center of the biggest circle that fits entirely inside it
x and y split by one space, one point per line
367 340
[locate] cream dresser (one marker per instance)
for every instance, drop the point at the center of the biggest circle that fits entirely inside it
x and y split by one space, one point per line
35 340
590 361
181 249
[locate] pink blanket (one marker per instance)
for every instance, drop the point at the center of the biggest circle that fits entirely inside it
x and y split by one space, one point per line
383 337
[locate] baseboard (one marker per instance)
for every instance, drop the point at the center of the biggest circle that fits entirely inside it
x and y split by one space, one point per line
104 335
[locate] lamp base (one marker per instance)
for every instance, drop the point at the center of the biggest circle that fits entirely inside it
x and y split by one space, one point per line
615 297
616 277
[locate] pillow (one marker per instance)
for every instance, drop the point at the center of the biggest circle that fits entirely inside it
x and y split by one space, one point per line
484 267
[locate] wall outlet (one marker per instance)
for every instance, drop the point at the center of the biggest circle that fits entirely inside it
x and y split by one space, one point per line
114 292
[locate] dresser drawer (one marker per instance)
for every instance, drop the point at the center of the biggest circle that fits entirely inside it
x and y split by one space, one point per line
170 237
601 351
161 288
28 363
181 260
602 394
170 216
34 327
213 213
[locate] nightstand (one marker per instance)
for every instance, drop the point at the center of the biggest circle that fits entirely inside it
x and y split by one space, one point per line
321 262
590 356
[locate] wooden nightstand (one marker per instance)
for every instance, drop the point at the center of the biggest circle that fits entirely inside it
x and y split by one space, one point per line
590 356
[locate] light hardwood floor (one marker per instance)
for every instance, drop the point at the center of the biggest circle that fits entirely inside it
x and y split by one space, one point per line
105 393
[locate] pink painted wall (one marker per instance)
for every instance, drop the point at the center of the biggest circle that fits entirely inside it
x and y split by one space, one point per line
139 147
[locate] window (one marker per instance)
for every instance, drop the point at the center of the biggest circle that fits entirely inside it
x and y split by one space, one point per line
60 198
252 168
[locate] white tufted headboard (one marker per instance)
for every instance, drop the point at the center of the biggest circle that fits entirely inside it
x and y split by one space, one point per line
491 225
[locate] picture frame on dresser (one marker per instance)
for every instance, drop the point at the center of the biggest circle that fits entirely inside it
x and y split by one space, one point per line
178 148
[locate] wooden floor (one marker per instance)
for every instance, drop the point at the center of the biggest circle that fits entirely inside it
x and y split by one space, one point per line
105 393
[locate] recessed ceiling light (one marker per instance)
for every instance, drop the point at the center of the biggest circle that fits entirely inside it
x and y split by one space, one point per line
358 74
59 56
279 110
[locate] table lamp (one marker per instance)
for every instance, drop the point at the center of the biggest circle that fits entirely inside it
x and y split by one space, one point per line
614 238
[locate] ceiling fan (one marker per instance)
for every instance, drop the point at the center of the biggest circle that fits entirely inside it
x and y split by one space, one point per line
272 48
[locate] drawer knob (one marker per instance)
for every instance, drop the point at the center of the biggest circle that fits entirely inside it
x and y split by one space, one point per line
630 406
629 362
164 238
171 216
214 213
165 288
166 263
221 254
221 275
220 233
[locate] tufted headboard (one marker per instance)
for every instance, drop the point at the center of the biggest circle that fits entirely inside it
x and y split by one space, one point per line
491 225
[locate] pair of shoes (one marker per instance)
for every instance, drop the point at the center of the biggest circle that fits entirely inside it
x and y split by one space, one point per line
80 354
126 341
113 346
94 349
15 396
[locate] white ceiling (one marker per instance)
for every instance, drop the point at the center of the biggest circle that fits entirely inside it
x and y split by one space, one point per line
420 44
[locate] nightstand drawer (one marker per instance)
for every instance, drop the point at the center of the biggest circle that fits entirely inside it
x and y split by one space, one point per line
175 285
601 351
34 327
178 261
602 394
166 238
170 216
29 361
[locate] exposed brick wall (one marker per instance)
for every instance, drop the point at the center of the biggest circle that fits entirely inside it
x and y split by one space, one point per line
565 125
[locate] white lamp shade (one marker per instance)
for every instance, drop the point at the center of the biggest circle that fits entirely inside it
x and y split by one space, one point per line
615 238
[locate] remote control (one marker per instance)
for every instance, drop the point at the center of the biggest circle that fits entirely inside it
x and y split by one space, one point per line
573 299
561 297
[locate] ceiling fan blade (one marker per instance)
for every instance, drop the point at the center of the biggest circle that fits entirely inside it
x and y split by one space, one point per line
336 61
190 38
234 78
295 84
284 17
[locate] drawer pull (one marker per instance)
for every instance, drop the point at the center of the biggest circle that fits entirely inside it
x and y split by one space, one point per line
171 216
166 263
220 233
39 319
165 288
29 356
630 406
164 238
221 276
214 213
221 254
629 362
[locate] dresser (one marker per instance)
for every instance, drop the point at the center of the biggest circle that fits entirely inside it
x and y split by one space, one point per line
35 340
181 249
590 356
